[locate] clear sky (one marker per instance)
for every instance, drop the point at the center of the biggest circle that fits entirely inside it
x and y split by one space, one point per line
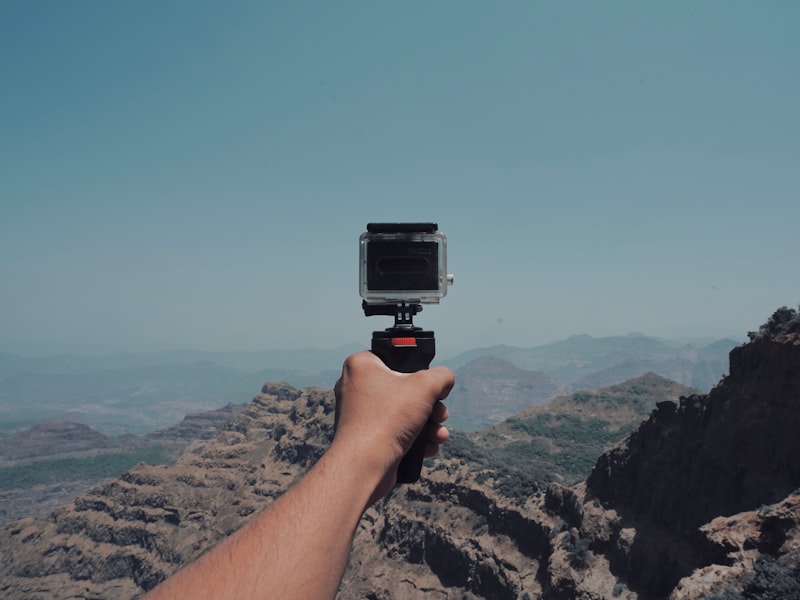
196 174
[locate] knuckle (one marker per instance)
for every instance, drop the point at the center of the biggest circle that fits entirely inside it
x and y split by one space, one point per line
354 362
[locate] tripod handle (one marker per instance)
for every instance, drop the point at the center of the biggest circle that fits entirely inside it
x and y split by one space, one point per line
407 352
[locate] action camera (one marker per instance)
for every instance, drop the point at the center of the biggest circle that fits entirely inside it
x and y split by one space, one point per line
403 262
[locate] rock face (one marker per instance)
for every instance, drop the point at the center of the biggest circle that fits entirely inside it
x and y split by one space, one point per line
729 452
732 450
699 502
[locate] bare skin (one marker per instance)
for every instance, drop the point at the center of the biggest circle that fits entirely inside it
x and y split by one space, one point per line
299 546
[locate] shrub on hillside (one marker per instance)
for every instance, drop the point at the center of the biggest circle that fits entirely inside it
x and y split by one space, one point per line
516 473
783 322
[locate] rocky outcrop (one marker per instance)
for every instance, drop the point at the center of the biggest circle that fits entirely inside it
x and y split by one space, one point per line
718 455
729 451
125 536
196 426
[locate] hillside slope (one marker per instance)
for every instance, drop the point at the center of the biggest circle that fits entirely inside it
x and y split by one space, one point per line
566 435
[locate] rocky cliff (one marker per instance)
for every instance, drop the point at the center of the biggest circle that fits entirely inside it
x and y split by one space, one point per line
732 451
698 502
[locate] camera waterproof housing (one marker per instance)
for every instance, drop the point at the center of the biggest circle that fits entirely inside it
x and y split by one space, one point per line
403 262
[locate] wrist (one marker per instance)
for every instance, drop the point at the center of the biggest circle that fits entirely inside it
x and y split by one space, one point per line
367 470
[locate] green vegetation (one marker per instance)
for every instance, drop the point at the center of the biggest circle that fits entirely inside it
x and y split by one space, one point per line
516 473
770 582
782 322
459 446
560 442
773 581
564 444
640 394
577 549
68 469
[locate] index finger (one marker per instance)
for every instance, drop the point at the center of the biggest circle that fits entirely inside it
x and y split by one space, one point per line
443 379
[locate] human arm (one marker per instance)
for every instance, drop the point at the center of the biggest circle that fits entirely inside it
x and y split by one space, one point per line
299 546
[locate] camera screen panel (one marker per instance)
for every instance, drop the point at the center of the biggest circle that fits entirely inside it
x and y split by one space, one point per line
399 265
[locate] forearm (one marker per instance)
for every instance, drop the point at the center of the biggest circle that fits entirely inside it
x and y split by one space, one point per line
297 548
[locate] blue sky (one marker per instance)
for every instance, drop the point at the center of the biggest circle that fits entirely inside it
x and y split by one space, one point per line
196 174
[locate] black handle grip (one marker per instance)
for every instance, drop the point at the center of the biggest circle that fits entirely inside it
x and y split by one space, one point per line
407 352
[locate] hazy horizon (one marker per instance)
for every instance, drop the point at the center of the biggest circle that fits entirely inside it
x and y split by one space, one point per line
35 350
187 175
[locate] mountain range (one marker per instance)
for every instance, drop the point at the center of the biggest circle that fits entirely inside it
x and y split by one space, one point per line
142 393
687 496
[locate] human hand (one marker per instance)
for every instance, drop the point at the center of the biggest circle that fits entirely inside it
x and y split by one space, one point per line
379 414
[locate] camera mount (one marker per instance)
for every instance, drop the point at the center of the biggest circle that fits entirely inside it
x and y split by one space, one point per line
402 312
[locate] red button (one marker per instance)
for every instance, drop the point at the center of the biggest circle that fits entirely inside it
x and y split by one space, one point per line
401 342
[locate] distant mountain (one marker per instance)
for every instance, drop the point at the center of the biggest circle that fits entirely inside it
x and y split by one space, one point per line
53 439
490 389
141 393
496 382
52 462
586 362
